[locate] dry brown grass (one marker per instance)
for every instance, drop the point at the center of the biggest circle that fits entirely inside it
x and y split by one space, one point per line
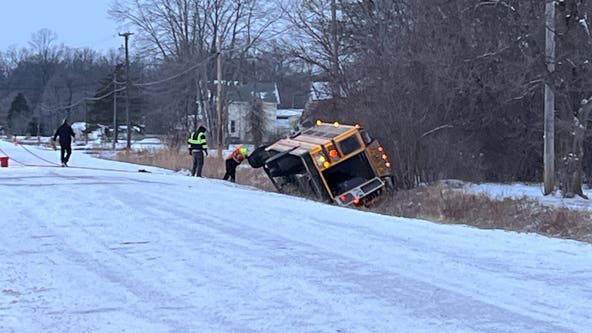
443 202
446 204
213 166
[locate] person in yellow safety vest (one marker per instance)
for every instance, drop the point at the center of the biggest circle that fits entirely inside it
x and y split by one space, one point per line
233 160
197 148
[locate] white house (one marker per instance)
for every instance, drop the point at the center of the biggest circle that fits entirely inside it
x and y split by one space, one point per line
287 121
242 113
98 133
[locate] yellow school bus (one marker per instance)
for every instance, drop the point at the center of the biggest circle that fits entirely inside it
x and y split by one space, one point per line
331 161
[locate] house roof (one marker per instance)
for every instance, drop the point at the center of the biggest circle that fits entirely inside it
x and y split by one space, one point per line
285 113
244 93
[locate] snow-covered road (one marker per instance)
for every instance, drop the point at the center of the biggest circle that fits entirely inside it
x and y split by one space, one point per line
91 249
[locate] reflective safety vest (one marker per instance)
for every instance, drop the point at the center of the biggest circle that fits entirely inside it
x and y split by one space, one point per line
197 140
238 154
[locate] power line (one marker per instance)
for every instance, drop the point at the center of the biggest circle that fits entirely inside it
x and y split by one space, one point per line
175 75
65 107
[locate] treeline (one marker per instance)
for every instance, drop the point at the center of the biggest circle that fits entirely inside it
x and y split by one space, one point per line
38 83
454 89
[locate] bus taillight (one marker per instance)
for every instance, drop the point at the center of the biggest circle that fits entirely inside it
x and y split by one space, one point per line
346 198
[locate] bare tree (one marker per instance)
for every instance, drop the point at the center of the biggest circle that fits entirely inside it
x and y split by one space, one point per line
46 52
76 77
573 86
316 38
182 36
572 166
440 83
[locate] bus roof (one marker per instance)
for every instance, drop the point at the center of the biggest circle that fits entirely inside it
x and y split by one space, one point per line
311 138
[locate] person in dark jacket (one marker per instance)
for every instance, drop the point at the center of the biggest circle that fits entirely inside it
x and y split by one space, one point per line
233 160
197 148
66 135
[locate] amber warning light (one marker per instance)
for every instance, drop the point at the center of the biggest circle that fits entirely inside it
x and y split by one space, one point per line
384 156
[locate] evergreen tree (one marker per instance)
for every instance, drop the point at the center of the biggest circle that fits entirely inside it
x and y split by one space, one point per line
19 115
100 109
34 127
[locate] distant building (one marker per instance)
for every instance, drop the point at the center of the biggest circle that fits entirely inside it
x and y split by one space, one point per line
89 132
288 121
249 104
321 103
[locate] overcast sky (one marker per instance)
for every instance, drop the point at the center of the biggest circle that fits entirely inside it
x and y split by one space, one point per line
77 23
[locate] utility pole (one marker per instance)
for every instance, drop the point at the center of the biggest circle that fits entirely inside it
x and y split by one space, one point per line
549 126
115 107
127 90
85 122
335 86
219 95
335 50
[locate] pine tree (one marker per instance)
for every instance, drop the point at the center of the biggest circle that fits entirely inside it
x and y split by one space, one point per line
34 127
100 110
19 115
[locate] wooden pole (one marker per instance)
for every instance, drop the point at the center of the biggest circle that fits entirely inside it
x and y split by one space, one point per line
127 91
549 126
114 108
219 96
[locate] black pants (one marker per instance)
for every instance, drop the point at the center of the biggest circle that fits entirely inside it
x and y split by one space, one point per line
198 162
65 152
231 165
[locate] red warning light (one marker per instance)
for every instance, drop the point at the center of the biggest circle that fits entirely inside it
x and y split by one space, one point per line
333 153
380 148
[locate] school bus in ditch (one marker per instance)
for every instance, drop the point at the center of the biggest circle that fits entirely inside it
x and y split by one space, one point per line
330 161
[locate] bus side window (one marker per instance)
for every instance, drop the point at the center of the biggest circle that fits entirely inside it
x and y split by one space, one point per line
349 145
366 137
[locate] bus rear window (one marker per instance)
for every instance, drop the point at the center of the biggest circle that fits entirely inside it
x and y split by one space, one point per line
349 145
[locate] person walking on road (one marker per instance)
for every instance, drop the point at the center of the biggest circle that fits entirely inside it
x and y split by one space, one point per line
66 135
197 148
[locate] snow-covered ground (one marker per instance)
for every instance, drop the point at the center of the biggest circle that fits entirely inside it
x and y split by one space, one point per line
532 192
101 247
